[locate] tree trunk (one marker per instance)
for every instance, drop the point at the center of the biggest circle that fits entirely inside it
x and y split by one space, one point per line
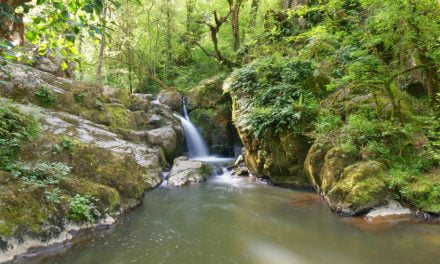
253 14
189 29
168 47
101 50
235 24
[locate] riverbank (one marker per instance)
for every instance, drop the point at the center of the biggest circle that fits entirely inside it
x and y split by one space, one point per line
73 154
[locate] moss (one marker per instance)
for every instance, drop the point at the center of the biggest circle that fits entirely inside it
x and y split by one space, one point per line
423 193
119 116
205 170
99 165
361 187
108 198
207 94
25 213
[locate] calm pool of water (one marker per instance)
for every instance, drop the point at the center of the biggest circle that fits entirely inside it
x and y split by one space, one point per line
234 220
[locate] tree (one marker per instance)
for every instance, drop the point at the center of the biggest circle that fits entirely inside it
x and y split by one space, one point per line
101 48
235 23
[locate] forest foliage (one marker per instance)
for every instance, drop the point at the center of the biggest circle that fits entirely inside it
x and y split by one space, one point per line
290 56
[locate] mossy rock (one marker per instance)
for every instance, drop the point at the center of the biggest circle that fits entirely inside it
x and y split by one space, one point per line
335 162
424 193
360 188
108 198
314 162
22 214
207 94
119 172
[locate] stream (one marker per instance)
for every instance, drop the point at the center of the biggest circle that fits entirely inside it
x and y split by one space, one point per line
240 220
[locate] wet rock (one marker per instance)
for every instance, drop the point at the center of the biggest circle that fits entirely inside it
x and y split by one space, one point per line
216 129
239 168
315 162
171 99
391 210
186 171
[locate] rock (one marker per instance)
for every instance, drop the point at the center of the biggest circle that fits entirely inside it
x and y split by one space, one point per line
216 129
335 162
166 138
391 209
171 99
360 188
209 110
51 63
279 158
186 171
140 102
315 162
239 168
208 94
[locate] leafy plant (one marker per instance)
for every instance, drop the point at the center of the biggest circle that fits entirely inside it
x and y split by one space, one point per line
45 174
82 208
45 96
66 144
15 128
53 196
282 92
79 97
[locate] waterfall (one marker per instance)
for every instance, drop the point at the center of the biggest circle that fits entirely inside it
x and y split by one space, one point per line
196 145
185 111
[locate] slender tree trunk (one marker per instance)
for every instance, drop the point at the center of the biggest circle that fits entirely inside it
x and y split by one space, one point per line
189 28
253 14
168 51
101 50
235 24
80 50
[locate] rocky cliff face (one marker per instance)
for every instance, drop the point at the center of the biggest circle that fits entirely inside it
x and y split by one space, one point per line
279 158
114 144
349 164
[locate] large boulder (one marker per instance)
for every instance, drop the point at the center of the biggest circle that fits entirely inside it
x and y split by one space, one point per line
173 99
164 137
186 171
349 186
277 157
207 94
361 188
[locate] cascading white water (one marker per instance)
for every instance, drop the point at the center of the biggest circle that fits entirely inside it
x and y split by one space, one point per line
185 112
196 145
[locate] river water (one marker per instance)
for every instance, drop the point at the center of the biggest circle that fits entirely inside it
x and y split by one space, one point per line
237 220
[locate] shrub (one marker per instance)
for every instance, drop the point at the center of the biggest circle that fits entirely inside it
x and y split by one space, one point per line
15 128
326 123
53 196
79 97
66 144
44 174
82 208
45 96
283 94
